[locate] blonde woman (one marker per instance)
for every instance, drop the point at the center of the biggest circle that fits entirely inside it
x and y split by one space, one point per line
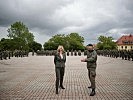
59 61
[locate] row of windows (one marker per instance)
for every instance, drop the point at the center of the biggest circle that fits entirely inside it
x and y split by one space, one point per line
128 42
125 47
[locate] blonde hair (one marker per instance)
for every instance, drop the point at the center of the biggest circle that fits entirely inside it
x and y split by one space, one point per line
59 47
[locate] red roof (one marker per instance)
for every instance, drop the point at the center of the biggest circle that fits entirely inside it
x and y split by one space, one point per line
125 40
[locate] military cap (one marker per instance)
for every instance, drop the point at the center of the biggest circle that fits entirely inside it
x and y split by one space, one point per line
89 45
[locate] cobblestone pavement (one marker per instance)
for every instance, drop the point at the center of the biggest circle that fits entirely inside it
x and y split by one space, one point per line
33 78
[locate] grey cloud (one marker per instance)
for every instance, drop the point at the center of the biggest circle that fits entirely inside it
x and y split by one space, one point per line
87 17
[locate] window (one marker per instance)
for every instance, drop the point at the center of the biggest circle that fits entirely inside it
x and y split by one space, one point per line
125 42
125 47
131 47
122 47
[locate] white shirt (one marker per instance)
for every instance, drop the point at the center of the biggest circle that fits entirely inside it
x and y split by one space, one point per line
61 56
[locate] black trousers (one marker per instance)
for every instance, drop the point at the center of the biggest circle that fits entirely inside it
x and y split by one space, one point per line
59 75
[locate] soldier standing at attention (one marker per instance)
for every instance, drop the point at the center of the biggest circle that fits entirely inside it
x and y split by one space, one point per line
91 66
59 61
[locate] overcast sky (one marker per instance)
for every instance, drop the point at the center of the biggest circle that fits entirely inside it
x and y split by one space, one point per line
89 18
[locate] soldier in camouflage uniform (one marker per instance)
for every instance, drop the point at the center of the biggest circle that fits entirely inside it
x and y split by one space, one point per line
5 54
91 66
71 52
1 52
67 52
9 54
75 52
79 52
122 54
85 52
128 54
32 52
132 54
125 54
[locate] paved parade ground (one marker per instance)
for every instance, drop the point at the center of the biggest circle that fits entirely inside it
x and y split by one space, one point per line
33 78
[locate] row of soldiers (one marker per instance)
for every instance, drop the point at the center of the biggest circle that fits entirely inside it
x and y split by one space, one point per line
8 54
46 52
52 52
124 54
74 53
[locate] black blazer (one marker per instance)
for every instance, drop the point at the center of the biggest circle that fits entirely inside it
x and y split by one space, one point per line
58 61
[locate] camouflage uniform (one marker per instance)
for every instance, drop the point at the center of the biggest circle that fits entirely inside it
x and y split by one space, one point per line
132 54
1 52
75 52
91 66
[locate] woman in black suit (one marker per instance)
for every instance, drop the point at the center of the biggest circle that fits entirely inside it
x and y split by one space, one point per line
59 61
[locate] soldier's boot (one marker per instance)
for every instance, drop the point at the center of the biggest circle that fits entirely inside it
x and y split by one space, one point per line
61 83
9 56
92 92
57 86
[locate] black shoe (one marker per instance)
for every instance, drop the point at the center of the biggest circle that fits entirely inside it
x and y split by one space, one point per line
92 93
62 87
89 87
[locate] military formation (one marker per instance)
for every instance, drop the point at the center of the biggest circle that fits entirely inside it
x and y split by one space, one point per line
46 52
5 54
123 54
52 52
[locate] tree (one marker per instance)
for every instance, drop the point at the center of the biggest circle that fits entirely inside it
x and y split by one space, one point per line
35 46
75 41
5 44
70 41
53 43
12 44
0 46
106 43
18 31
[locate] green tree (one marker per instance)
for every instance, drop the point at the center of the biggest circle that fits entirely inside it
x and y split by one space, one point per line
71 41
106 43
53 42
35 46
19 31
0 46
75 41
12 44
20 44
5 44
